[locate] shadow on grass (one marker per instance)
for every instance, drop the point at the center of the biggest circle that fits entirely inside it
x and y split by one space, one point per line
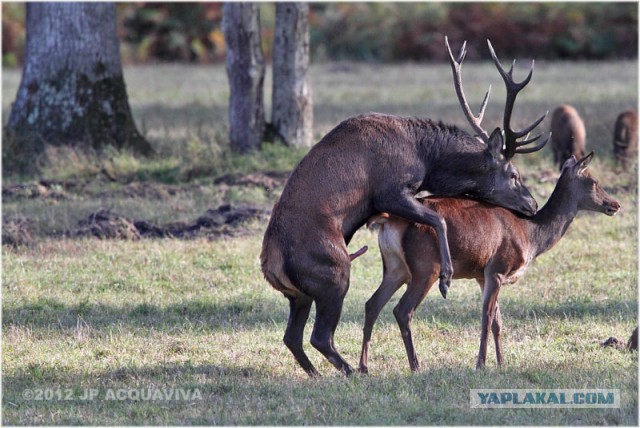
156 375
244 395
207 315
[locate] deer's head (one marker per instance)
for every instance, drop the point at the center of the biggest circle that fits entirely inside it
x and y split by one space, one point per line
590 196
500 183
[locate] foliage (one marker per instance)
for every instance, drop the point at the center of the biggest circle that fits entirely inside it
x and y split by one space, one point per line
414 31
375 31
174 31
13 34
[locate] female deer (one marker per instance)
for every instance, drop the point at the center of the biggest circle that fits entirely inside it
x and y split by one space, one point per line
488 243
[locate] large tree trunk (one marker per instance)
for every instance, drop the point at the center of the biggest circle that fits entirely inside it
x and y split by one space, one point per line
245 68
292 112
72 91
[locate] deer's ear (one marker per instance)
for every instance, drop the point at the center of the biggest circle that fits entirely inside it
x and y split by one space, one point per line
577 166
584 162
496 143
570 163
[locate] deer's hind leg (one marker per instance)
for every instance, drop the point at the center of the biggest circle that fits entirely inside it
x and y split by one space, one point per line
300 306
324 277
496 327
405 205
490 311
419 286
395 274
327 318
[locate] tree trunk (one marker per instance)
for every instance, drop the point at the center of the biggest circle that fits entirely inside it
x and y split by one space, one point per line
292 112
245 68
72 91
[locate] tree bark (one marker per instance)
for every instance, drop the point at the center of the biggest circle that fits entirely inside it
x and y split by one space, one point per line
292 112
245 69
72 90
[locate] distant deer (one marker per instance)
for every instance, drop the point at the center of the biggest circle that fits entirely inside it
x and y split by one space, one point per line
488 243
568 134
377 163
625 137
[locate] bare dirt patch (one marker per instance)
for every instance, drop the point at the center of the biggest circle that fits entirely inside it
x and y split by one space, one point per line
105 224
18 231
267 180
146 190
222 221
227 219
41 190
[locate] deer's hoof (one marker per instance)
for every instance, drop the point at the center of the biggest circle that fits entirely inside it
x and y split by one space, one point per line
363 369
444 287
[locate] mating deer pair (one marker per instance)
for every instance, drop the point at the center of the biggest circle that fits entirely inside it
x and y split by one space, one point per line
488 243
377 163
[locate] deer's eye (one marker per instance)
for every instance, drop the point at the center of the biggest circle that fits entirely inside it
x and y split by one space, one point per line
514 176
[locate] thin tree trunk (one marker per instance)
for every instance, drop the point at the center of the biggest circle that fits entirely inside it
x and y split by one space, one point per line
245 68
72 90
292 112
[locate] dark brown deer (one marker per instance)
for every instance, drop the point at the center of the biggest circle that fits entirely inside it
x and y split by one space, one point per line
568 134
625 138
488 243
377 163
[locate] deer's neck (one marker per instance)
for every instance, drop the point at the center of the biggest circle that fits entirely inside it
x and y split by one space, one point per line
552 221
455 162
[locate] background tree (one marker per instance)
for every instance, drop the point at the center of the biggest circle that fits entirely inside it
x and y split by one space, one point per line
245 68
72 91
292 111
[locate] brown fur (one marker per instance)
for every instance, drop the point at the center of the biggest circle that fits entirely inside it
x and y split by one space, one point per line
568 134
366 165
488 243
625 138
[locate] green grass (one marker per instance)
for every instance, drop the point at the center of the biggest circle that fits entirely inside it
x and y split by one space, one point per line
83 314
197 314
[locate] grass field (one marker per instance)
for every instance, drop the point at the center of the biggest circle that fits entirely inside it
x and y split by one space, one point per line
196 317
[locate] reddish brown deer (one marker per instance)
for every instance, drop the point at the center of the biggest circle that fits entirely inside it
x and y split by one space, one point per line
377 163
625 138
568 134
488 243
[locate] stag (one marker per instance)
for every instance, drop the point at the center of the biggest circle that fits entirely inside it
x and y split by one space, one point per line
625 137
488 243
377 163
568 134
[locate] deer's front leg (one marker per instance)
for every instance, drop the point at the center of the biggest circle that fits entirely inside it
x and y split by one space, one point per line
405 205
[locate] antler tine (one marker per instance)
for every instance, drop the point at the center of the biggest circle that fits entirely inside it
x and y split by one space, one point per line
507 76
463 52
512 146
528 140
531 127
533 148
456 66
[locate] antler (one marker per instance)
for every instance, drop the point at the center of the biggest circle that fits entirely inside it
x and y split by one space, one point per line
512 145
457 81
